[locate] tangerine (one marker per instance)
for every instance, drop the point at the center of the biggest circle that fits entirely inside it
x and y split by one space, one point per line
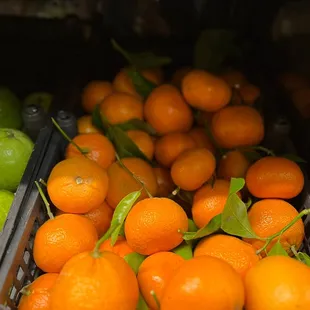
143 141
85 125
164 182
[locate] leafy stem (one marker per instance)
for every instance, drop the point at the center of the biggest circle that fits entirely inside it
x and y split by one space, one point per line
46 203
263 149
294 251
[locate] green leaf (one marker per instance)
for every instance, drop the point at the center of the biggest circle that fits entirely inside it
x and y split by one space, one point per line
186 196
141 84
251 156
142 60
213 226
248 203
277 249
116 232
137 124
99 120
192 226
236 185
294 158
305 258
184 250
134 260
142 305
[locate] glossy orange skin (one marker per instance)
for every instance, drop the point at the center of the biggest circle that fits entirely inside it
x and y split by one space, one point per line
237 126
119 108
164 182
61 238
205 91
179 75
77 185
233 165
103 283
99 149
249 93
154 274
234 78
275 177
143 141
121 183
209 201
166 110
204 282
193 168
269 216
237 253
278 283
85 125
170 146
201 138
121 247
154 224
38 297
93 94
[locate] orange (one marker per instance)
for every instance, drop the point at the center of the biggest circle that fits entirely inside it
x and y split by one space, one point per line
233 165
94 93
164 182
193 168
119 108
121 183
36 296
204 283
61 238
154 274
275 177
170 146
301 101
97 147
97 282
269 216
201 138
209 201
154 225
122 82
249 93
237 253
237 126
121 247
278 283
234 78
166 110
205 91
179 75
143 141
292 81
101 218
85 125
77 185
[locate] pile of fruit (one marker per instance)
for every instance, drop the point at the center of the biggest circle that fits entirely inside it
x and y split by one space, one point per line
166 200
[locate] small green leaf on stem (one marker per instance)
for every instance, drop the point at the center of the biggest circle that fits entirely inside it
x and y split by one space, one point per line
262 149
248 203
46 203
277 249
304 258
184 250
134 260
142 305
236 185
294 158
192 226
137 124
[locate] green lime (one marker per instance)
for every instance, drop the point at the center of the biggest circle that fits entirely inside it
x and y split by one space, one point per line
15 150
10 110
6 200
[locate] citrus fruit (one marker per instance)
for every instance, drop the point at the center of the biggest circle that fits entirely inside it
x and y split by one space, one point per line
60 238
6 200
209 201
166 110
102 281
154 274
237 126
249 93
237 253
234 78
278 283
179 75
193 168
204 282
15 151
119 108
201 138
85 125
122 183
37 295
301 101
275 177
233 165
164 182
170 146
10 110
154 225
95 146
205 91
121 247
93 94
143 141
77 185
269 216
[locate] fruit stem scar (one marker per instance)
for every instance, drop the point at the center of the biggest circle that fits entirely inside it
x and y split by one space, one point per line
25 291
78 180
46 203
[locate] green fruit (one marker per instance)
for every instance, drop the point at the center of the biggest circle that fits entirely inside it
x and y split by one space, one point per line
6 200
15 150
10 110
43 100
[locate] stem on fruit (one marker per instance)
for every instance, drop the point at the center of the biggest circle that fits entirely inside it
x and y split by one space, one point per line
96 252
83 151
133 175
25 291
176 191
46 203
43 182
155 298
294 251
